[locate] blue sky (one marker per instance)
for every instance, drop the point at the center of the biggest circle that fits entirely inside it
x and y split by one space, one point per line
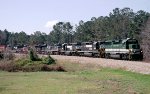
40 15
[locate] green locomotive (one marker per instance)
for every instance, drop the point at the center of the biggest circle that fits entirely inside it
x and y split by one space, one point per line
124 49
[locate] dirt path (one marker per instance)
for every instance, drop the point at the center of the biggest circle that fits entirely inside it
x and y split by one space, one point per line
134 66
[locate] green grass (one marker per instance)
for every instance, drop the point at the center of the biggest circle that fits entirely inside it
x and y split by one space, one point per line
80 79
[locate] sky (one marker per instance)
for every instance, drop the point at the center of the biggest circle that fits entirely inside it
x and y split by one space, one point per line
40 15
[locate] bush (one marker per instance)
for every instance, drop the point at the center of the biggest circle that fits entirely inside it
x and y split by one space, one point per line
1 55
26 65
22 62
7 55
52 68
31 65
33 56
49 60
60 68
9 66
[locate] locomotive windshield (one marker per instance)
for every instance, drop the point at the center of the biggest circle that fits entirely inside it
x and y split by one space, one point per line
132 44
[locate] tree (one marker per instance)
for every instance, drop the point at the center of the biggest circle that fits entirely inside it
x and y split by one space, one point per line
85 31
120 20
33 55
38 38
140 20
146 40
1 37
62 32
22 38
4 37
7 35
68 32
58 29
79 36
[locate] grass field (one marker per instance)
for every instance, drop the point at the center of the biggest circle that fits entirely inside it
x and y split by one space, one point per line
80 79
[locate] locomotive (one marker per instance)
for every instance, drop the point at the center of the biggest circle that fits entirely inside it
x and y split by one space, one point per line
122 49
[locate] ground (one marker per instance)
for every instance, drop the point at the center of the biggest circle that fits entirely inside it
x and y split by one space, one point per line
134 66
85 82
83 75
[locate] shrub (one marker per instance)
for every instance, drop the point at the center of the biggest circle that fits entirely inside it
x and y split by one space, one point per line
49 60
9 66
60 68
46 68
10 56
32 67
1 55
22 62
33 55
27 65
52 68
7 55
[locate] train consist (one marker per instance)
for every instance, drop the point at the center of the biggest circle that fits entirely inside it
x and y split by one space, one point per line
128 49
122 49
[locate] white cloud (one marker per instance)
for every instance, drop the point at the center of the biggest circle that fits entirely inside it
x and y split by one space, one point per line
50 24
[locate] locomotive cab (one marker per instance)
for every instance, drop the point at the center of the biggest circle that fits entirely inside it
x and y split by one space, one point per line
135 51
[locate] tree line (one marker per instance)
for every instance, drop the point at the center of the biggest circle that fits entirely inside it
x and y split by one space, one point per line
120 24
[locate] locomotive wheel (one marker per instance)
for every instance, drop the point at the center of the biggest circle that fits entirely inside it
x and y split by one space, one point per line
70 54
121 56
107 55
129 57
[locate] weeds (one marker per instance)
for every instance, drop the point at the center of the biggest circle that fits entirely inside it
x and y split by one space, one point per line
33 55
28 65
52 68
7 55
49 60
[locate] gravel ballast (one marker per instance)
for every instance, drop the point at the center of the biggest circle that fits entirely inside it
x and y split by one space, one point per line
134 66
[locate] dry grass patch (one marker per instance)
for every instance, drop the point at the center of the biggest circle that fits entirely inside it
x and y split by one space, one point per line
72 66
